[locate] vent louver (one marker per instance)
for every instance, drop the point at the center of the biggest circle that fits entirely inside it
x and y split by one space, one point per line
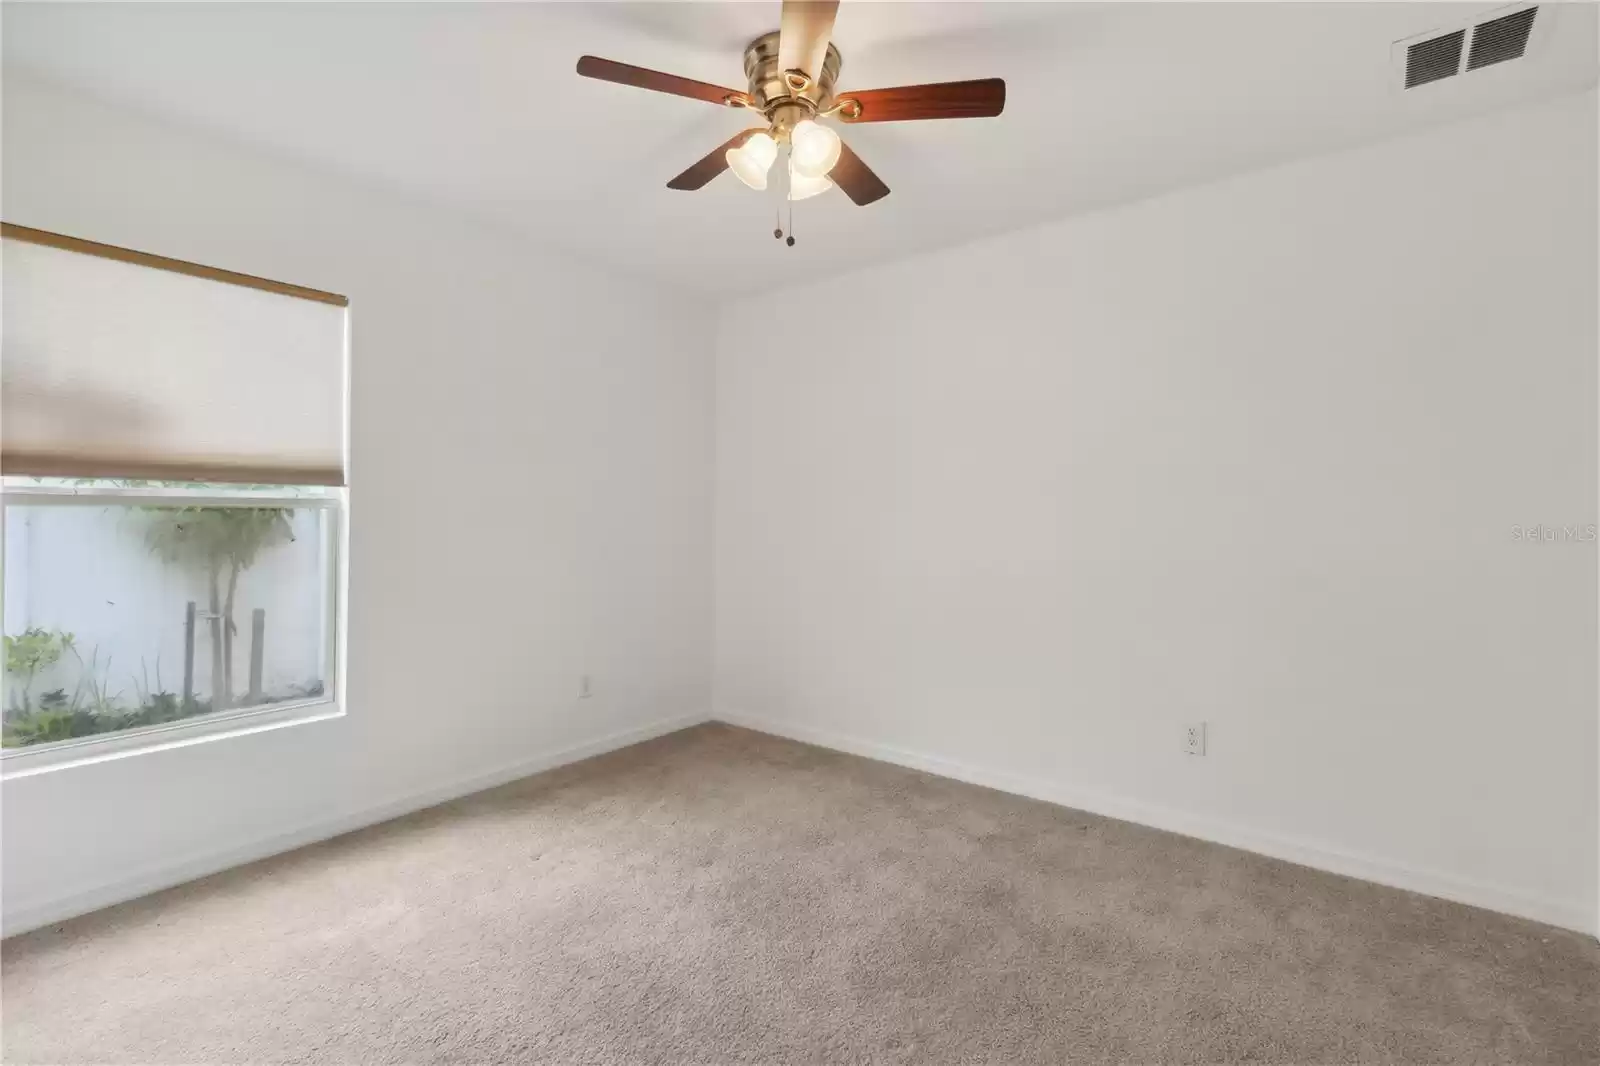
1501 39
1506 33
1438 57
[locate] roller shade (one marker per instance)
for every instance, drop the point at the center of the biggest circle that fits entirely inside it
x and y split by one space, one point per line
116 363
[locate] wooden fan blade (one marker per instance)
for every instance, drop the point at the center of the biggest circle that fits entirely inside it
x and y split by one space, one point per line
712 164
984 98
857 179
640 78
804 29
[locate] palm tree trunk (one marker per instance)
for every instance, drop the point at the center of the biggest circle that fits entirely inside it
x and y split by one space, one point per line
228 630
219 698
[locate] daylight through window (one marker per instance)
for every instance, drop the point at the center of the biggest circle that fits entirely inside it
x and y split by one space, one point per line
134 607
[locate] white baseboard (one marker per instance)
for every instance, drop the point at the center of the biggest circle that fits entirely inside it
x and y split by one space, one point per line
1303 852
34 914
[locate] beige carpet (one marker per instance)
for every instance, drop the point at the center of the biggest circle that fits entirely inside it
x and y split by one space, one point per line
723 896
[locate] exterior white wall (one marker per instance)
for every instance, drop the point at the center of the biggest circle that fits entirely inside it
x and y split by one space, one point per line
530 458
87 570
1249 454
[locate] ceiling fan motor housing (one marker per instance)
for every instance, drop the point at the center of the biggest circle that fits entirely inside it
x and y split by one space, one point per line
785 99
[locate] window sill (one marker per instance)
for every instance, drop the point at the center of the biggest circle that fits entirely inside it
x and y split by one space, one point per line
62 755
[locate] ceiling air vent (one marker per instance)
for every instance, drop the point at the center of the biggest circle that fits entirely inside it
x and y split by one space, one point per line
1501 39
1435 58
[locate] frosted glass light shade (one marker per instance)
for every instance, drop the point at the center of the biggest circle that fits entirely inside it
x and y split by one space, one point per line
814 149
751 162
804 188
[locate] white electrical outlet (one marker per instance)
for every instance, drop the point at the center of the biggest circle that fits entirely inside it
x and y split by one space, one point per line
585 687
1194 738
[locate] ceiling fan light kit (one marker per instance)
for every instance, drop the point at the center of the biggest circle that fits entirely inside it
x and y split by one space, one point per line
751 160
802 187
813 148
790 75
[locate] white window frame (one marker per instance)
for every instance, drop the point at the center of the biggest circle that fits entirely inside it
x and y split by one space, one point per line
34 758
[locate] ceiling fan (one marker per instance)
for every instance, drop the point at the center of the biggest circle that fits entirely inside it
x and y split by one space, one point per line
791 74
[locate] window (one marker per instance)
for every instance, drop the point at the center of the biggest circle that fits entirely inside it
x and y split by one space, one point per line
138 607
172 499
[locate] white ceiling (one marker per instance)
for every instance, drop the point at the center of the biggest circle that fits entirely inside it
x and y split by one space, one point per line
477 106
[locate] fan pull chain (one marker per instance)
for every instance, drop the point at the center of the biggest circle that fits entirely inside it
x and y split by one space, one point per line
777 214
788 194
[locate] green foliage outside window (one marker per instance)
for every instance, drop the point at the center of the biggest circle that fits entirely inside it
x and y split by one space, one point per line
221 543
33 650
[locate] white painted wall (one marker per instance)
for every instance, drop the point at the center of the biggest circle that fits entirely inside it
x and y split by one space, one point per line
1250 454
530 463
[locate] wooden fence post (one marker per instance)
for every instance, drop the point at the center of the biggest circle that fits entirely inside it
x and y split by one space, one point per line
258 633
188 656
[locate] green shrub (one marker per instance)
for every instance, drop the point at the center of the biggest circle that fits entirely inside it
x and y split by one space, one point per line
33 650
57 722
